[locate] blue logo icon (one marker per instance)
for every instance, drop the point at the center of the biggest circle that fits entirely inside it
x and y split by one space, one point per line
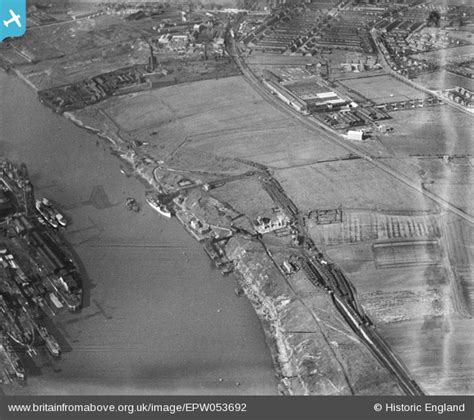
12 18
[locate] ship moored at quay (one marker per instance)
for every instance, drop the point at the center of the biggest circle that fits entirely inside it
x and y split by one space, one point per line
156 203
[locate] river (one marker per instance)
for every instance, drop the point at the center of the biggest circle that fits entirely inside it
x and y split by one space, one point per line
158 318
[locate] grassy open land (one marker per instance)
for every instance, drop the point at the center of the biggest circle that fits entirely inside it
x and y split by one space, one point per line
438 352
246 196
459 239
444 56
382 89
451 180
224 117
460 236
84 64
439 130
398 293
444 80
461 34
46 42
351 183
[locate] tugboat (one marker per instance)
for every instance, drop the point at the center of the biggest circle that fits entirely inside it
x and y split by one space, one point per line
154 201
132 204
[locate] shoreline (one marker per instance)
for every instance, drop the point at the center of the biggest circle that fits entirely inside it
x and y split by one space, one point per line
23 79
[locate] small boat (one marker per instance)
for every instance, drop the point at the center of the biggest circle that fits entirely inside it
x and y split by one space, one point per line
132 204
154 201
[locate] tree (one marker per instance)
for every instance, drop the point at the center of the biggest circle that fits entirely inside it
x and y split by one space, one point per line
433 19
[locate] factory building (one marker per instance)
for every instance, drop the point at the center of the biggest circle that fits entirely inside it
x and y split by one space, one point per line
287 96
355 135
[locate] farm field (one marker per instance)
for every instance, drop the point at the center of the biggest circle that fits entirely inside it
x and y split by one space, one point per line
353 184
444 80
451 179
245 196
223 117
360 226
444 56
437 350
382 89
434 131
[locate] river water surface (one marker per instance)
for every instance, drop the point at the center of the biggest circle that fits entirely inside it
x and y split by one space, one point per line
158 318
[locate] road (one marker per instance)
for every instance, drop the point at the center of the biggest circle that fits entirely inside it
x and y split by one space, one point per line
334 136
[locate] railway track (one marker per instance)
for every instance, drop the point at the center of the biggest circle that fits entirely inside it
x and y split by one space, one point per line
276 192
344 299
363 328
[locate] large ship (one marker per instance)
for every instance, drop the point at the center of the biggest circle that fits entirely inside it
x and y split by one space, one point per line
46 214
50 342
50 213
55 212
154 201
